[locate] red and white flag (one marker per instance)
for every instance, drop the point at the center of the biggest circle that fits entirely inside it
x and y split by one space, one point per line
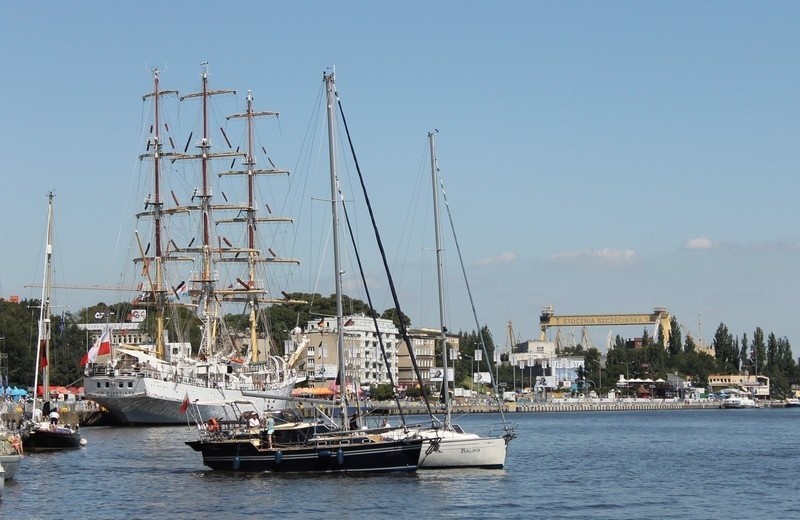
101 347
184 404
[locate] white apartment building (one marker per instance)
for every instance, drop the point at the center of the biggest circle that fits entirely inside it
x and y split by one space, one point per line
364 362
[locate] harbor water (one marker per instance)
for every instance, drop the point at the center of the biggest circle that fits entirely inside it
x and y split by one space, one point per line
703 464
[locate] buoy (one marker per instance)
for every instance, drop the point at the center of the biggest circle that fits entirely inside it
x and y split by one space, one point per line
340 456
84 442
278 457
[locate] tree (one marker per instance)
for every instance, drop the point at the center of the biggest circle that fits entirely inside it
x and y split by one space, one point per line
382 392
758 351
391 314
726 353
674 343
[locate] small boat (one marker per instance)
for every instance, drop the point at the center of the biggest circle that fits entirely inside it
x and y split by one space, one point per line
44 433
46 437
10 453
735 399
791 402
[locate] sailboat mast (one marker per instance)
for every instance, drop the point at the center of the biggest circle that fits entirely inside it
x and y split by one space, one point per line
158 294
330 89
43 340
440 276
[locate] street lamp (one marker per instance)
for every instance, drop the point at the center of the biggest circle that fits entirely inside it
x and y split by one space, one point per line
589 384
627 376
472 370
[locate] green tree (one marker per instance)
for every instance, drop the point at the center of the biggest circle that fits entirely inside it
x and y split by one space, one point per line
725 351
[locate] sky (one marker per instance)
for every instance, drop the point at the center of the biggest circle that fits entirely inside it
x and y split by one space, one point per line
599 157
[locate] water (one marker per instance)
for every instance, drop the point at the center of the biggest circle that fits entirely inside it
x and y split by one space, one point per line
666 464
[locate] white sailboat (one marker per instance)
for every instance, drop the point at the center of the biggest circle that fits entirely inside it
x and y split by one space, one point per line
448 445
155 383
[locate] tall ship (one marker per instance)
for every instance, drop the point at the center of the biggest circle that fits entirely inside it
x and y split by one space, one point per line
191 272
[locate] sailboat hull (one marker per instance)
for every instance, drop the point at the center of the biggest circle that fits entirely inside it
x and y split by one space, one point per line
145 401
249 456
10 463
463 450
42 438
450 448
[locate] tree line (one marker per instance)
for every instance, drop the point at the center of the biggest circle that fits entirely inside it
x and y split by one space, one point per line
764 354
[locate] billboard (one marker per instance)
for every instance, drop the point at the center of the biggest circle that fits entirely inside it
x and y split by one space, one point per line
437 374
484 378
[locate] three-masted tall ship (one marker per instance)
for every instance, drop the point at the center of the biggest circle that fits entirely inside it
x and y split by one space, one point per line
155 382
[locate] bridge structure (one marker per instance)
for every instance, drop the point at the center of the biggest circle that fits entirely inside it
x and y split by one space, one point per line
660 318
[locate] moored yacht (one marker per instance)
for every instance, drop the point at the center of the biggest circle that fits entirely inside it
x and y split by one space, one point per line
737 399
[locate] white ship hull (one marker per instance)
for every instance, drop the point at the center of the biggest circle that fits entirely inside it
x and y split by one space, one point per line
445 449
137 400
10 463
450 449
738 403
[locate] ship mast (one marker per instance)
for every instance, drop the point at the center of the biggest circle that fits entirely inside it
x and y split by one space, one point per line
253 292
156 207
440 277
43 340
330 91
207 278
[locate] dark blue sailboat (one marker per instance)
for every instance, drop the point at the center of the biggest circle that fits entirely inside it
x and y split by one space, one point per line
42 433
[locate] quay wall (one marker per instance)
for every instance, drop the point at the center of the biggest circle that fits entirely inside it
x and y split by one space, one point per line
83 413
556 406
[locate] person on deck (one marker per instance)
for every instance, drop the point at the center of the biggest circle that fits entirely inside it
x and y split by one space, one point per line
270 428
54 419
253 423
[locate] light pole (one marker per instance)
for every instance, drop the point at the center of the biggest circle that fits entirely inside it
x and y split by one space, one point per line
590 384
627 376
478 357
513 375
472 374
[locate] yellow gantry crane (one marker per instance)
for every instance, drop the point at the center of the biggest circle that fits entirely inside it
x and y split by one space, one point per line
660 317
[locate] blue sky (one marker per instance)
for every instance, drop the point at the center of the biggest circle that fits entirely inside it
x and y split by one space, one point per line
600 157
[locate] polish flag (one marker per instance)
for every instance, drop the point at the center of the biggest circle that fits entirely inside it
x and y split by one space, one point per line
185 404
101 347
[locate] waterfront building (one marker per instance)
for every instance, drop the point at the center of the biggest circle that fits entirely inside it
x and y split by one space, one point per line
423 343
364 364
757 386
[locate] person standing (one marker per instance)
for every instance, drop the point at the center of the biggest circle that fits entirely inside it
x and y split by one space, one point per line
270 428
253 423
54 418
